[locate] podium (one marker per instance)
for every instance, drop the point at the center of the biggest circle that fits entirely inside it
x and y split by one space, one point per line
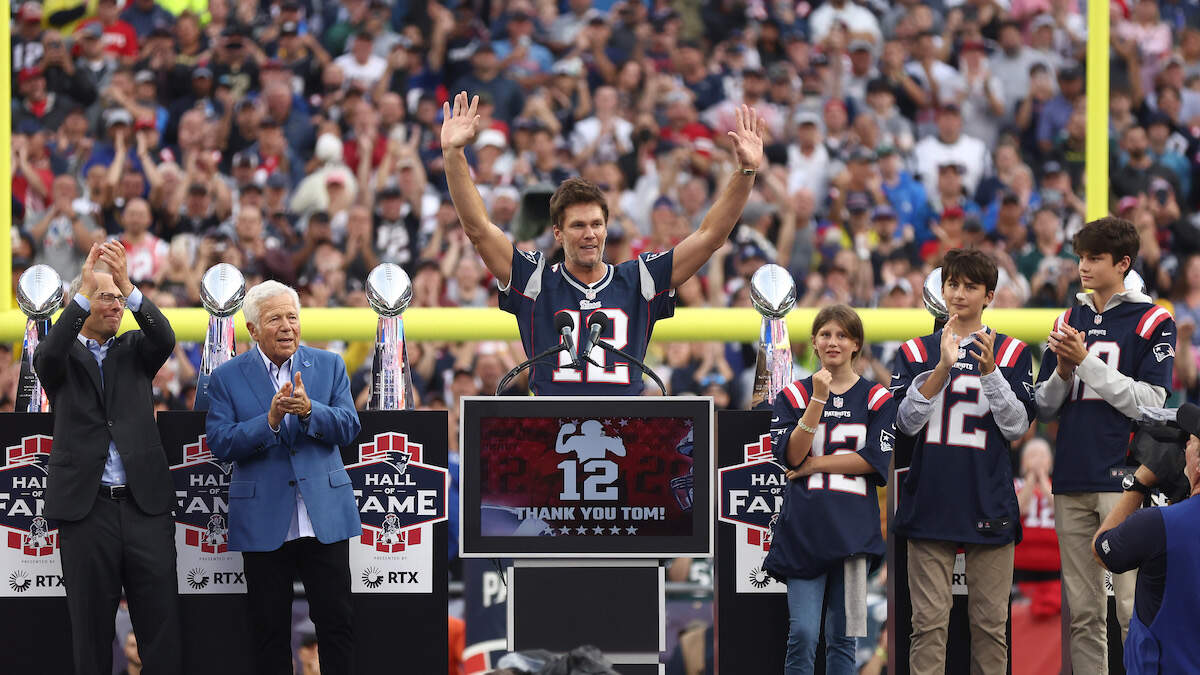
586 495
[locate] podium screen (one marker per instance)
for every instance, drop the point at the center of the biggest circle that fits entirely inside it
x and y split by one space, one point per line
575 477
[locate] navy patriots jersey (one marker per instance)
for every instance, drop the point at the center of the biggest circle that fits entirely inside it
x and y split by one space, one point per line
633 295
826 518
1093 437
959 486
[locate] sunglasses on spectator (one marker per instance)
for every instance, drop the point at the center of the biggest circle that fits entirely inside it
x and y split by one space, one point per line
109 298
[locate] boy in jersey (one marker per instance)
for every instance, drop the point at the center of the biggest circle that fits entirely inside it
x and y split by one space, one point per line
965 394
834 432
1108 355
633 295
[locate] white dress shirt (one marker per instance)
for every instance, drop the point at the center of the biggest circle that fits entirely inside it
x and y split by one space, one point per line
280 375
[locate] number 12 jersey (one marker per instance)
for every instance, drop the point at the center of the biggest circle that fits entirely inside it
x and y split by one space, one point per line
959 486
633 295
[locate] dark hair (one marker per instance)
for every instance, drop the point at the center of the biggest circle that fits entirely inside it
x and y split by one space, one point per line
970 264
847 318
1115 236
575 191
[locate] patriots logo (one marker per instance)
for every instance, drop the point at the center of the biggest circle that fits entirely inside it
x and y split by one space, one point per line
887 441
651 256
1163 351
531 256
1029 389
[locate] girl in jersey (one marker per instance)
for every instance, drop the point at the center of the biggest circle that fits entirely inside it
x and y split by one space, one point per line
834 432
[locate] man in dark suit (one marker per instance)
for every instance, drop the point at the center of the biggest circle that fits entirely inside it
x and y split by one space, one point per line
291 506
109 486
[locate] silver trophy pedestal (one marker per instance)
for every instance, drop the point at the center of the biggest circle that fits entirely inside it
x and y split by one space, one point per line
39 295
222 292
773 294
389 292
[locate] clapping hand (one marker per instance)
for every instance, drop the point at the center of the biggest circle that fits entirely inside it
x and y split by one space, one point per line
986 356
460 125
298 403
950 342
290 399
278 401
1067 343
87 275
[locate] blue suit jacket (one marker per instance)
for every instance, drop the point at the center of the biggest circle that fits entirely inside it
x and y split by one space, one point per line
268 469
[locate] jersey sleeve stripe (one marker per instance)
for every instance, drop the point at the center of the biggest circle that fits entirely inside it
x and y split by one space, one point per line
1063 320
879 396
914 350
1009 352
790 392
1151 320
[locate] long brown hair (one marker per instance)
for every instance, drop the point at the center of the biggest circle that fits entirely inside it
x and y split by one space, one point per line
848 319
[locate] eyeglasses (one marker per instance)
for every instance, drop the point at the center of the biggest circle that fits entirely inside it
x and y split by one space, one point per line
109 298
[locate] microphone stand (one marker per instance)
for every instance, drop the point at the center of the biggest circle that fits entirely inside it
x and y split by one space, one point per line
641 366
508 377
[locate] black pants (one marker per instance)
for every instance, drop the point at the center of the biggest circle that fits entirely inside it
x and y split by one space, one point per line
116 545
325 571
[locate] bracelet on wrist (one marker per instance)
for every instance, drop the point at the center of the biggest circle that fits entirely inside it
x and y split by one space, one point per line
805 427
822 401
748 172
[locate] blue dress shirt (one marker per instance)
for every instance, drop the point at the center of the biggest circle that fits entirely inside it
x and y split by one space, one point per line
114 469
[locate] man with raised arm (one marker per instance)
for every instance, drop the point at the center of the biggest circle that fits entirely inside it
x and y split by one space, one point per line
633 295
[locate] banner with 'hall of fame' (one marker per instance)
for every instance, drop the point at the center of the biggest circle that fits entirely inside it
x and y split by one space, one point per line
401 486
751 494
204 563
29 546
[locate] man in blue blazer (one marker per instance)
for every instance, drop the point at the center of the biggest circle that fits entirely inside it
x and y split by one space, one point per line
280 412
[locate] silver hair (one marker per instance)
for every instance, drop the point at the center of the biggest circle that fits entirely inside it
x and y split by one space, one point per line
251 306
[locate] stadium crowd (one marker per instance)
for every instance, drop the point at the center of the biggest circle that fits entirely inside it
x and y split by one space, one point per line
299 141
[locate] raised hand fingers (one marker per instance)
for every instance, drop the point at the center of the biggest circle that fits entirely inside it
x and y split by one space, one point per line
471 111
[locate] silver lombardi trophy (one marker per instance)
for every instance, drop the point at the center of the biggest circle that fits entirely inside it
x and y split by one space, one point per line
389 292
222 291
39 294
773 293
934 301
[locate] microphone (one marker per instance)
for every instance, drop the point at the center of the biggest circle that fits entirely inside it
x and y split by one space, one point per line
597 322
566 328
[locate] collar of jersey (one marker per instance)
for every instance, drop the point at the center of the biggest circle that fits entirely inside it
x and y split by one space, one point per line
584 288
1117 298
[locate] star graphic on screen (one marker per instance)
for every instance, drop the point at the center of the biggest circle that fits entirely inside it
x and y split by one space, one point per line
622 422
631 530
598 530
581 530
564 530
614 530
